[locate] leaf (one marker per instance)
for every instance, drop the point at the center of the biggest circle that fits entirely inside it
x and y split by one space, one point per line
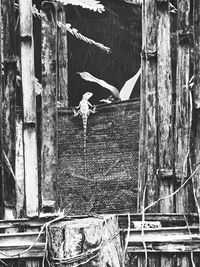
125 92
89 4
88 77
78 35
129 85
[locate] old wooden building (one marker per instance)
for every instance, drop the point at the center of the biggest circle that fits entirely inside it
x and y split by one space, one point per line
124 191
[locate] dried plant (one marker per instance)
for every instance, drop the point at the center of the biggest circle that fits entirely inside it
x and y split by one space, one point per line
80 36
89 4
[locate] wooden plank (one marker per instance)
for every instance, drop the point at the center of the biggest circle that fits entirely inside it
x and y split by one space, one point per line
1 122
148 117
165 118
196 120
33 263
49 151
183 261
9 100
153 260
164 89
166 220
62 59
29 108
166 261
183 111
196 22
183 102
19 166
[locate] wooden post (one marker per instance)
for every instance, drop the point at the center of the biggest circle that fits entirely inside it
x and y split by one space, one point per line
85 242
19 166
29 107
49 149
165 119
62 59
148 145
9 107
196 135
183 104
1 124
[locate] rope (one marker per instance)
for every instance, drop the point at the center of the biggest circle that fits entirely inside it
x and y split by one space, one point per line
34 243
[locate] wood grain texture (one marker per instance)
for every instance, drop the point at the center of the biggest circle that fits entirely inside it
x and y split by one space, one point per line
62 58
29 107
9 54
49 122
148 117
196 120
165 118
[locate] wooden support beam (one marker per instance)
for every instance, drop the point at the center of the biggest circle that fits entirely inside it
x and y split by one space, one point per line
29 108
9 100
1 124
165 118
62 59
49 151
183 117
148 163
196 113
19 166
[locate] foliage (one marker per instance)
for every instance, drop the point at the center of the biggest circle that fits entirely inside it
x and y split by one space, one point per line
78 35
89 4
124 93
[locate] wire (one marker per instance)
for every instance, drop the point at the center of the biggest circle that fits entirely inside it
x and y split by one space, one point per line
143 220
174 193
192 253
34 243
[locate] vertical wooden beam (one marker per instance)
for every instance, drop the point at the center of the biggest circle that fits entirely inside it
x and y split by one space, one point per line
49 149
153 260
165 118
29 107
1 123
62 59
148 163
183 103
9 107
19 166
196 135
165 122
183 111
